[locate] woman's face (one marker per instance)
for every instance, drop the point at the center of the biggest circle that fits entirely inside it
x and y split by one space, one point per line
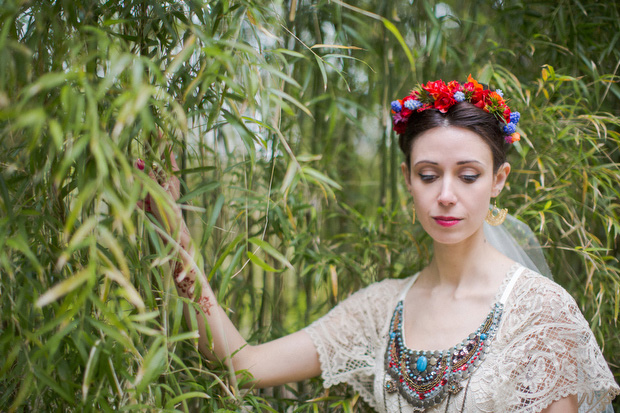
452 181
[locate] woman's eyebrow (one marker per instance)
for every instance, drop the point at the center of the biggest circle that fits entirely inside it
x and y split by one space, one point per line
425 161
466 162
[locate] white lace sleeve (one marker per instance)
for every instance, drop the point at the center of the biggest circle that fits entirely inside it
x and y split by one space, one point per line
549 352
348 338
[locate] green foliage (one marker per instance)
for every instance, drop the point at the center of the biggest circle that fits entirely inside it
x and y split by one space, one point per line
291 175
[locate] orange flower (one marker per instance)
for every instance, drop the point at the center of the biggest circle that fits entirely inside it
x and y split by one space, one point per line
495 95
477 86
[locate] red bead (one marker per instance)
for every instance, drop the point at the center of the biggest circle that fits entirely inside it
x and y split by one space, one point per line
443 382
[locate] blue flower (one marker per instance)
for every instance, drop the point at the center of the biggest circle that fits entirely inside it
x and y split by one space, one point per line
396 106
514 117
459 96
510 128
499 92
413 104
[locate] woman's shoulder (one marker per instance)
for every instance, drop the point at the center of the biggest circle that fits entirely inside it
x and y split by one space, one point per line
388 286
545 350
532 284
537 297
372 301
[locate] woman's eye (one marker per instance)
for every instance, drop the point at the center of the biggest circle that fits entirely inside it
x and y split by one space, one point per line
427 178
470 178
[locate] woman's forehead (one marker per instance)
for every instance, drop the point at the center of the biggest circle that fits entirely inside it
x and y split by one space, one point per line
452 145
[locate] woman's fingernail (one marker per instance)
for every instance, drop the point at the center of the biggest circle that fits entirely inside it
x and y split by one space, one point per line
139 164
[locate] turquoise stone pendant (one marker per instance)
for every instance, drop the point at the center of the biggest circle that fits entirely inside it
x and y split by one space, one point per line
421 363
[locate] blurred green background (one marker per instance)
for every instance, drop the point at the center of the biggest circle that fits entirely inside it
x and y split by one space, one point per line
279 115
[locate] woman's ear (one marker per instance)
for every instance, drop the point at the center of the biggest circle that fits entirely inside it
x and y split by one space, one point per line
405 170
500 179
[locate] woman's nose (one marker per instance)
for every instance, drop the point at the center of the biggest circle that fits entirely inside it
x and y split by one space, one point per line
447 195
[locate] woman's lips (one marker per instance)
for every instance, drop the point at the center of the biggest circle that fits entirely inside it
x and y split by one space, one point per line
447 221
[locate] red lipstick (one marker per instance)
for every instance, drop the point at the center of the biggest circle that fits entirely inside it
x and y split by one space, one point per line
447 221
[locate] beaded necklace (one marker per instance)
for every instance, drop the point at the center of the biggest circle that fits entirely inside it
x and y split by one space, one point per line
425 378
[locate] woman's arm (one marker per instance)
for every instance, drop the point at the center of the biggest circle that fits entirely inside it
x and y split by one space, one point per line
290 358
566 405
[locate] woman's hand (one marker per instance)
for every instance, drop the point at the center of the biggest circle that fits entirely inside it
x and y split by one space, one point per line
166 211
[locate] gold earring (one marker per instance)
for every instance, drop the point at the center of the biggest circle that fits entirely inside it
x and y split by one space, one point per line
413 213
496 216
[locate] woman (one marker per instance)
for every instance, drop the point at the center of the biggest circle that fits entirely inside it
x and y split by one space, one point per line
474 330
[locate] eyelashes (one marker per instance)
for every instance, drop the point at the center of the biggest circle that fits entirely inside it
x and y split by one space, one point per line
469 179
427 178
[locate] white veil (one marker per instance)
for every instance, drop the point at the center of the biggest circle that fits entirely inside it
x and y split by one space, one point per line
517 241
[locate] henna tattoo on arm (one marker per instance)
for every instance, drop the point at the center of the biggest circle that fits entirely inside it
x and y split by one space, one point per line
205 304
185 284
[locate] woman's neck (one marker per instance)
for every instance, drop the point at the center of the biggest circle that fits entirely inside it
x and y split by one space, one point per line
469 265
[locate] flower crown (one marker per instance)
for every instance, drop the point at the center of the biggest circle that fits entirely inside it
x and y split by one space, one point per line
441 96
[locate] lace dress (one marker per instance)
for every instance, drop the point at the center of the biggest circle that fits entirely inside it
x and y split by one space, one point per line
542 350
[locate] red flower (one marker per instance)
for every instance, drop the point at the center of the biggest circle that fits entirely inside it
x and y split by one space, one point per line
507 114
400 123
454 86
469 87
443 103
436 89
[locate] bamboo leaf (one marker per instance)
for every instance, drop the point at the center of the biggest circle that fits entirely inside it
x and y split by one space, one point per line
291 99
204 188
93 358
256 260
153 365
186 396
320 177
390 26
65 287
265 246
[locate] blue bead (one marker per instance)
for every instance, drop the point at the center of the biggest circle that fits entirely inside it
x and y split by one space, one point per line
421 363
483 336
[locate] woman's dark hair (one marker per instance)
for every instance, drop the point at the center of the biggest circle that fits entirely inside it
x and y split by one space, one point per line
462 115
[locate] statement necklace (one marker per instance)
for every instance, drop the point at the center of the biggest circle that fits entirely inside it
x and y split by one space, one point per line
425 378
